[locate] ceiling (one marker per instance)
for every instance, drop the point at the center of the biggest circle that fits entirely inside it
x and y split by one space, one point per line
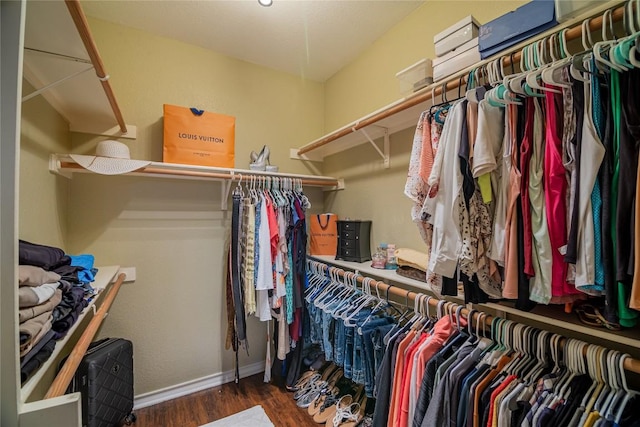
310 38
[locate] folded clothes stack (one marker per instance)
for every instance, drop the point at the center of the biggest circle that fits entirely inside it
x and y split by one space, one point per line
53 288
412 264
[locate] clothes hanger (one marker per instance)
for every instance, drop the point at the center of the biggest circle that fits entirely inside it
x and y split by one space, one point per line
628 393
367 299
238 191
499 95
569 367
438 110
593 358
534 75
426 322
347 303
541 357
552 74
530 361
605 44
622 54
492 353
577 68
470 330
504 94
334 293
606 390
513 343
313 269
514 81
602 404
619 394
527 65
330 289
473 84
350 282
376 309
576 366
623 394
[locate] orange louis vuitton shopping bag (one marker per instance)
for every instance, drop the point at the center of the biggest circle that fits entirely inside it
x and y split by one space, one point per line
323 234
197 137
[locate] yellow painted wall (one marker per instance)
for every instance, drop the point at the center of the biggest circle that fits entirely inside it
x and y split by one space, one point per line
173 231
369 83
43 209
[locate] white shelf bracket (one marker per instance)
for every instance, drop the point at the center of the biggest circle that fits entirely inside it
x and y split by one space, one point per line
54 84
55 167
385 154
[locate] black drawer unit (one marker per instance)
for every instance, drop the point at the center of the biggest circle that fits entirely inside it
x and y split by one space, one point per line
353 240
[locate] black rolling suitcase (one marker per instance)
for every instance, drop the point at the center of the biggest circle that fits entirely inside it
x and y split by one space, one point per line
105 380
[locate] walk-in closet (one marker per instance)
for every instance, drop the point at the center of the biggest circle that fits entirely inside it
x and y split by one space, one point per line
402 213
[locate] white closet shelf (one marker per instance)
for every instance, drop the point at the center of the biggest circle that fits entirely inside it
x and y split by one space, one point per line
392 118
386 275
39 382
62 62
63 164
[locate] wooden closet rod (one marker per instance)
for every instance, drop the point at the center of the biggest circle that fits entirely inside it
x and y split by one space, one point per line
79 18
630 364
64 377
448 84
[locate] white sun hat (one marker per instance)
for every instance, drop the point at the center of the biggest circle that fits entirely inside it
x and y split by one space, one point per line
112 158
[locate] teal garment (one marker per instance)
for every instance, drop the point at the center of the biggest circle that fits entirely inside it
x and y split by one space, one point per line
596 198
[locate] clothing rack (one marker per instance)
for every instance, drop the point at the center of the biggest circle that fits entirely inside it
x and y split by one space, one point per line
454 82
60 163
630 364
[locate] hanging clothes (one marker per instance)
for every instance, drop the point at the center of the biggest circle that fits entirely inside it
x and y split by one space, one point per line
267 257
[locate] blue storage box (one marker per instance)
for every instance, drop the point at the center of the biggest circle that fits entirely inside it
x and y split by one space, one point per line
516 26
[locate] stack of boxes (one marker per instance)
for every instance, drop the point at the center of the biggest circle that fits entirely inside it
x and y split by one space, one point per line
467 43
456 48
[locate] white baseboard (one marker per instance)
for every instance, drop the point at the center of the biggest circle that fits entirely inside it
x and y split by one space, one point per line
199 384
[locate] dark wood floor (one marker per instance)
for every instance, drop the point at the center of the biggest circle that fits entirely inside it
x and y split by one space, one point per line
210 405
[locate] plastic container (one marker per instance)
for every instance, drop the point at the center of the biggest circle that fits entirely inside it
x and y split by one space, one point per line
379 258
568 9
392 263
456 35
459 59
415 77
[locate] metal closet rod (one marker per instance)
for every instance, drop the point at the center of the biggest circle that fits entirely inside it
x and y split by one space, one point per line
79 18
451 83
630 364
